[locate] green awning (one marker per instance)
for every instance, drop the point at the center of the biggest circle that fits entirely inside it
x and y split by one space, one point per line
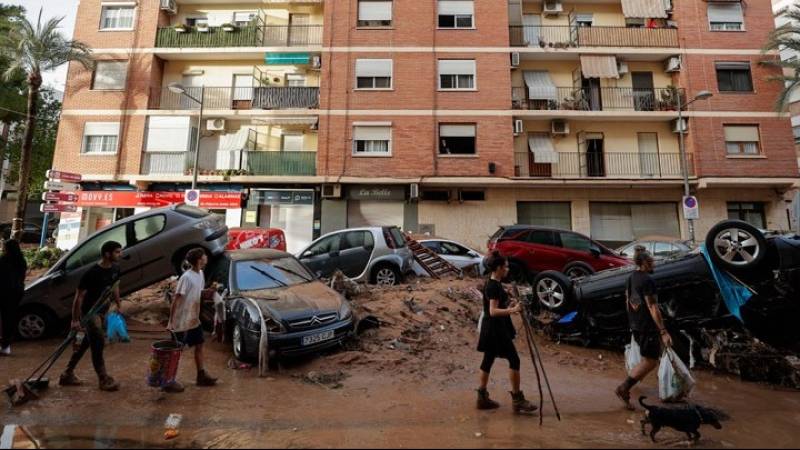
276 59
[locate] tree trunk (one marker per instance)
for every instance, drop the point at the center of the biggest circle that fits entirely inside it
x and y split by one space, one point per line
34 84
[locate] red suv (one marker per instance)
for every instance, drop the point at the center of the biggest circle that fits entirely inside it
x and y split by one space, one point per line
532 250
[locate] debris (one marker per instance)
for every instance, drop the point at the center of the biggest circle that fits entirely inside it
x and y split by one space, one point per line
367 323
234 364
332 380
344 285
479 435
171 426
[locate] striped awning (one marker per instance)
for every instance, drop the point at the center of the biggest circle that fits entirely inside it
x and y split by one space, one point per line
286 121
597 66
644 9
541 145
540 85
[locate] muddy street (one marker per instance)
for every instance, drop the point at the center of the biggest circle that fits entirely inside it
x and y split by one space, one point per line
408 384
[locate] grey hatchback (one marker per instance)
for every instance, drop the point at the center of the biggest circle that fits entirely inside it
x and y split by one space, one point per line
154 244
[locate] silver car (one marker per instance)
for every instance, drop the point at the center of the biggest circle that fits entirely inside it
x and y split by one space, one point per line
377 255
154 244
453 252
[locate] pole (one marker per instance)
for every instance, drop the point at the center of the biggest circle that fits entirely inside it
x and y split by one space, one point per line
45 226
197 138
684 160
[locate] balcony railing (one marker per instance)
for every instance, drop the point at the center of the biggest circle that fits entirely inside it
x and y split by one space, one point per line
609 165
263 163
600 99
565 36
241 98
247 36
166 163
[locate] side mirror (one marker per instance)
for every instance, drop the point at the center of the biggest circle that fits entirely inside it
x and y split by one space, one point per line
596 252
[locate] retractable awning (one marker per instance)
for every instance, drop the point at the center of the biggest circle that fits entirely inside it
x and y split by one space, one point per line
541 145
599 66
540 85
644 9
286 121
287 59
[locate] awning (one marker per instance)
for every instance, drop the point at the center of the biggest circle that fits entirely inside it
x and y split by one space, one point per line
596 66
541 146
286 121
644 9
287 59
540 85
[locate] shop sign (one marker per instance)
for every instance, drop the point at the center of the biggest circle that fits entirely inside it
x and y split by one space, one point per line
283 197
69 230
132 199
388 193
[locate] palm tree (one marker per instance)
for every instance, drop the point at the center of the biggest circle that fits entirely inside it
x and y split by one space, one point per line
786 38
31 50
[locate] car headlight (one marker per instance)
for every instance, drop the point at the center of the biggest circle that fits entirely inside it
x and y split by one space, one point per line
345 312
273 326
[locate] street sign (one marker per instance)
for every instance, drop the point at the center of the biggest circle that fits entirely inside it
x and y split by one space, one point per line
192 198
64 176
691 208
58 208
63 197
61 186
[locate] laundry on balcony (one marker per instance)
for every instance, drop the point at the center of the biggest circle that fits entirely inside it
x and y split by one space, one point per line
541 145
599 66
644 9
540 85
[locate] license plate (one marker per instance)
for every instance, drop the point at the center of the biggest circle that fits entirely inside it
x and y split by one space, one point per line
317 338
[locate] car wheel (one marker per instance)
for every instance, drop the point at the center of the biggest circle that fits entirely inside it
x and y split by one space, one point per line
386 275
180 263
554 291
35 323
736 245
577 271
237 341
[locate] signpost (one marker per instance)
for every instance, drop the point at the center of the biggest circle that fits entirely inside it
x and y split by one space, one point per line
61 186
691 208
52 208
60 198
192 198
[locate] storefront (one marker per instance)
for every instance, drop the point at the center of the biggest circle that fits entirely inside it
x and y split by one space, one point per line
291 210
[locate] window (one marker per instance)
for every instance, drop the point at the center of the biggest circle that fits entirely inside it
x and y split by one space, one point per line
117 17
292 142
665 250
374 74
295 80
372 140
452 249
734 77
433 246
374 13
584 19
270 274
244 18
752 213
542 237
89 252
110 75
357 240
324 247
100 137
457 140
796 132
145 229
742 140
575 242
456 14
727 16
457 74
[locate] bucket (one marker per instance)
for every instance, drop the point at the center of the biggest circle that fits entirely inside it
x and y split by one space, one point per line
164 360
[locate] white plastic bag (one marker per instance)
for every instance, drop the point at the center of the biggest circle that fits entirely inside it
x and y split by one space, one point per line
633 355
675 381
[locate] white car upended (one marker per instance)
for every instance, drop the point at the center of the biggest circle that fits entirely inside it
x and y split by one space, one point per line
453 252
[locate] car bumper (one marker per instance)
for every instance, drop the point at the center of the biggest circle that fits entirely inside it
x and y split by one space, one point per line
291 344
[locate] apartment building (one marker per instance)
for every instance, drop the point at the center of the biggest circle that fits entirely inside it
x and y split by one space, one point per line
445 116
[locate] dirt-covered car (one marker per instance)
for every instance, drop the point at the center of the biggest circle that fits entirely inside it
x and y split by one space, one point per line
689 296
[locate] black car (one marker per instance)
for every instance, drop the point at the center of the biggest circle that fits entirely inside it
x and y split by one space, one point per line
301 314
31 232
688 293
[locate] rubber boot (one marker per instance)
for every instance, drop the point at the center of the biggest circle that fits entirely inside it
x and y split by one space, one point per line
204 380
520 405
484 402
68 379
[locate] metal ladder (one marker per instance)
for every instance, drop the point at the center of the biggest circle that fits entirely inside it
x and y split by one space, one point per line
434 264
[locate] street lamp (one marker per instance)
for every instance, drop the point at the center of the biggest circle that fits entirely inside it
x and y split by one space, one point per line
177 88
702 95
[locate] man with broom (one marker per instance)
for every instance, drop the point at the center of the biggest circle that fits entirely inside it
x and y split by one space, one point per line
91 290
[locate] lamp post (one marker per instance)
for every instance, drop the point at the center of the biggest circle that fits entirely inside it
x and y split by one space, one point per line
702 95
178 88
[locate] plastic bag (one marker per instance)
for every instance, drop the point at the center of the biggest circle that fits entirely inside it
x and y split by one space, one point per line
633 355
675 381
116 328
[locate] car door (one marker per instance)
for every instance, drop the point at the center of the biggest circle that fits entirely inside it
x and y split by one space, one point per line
322 257
355 252
147 239
578 248
543 252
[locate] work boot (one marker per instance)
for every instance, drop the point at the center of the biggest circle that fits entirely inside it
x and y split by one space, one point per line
484 402
5 351
204 380
173 388
624 394
68 379
520 405
107 384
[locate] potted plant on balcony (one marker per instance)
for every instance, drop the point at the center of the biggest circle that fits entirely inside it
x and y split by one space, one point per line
202 28
229 27
181 28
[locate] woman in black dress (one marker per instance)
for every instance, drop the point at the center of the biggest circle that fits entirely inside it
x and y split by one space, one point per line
497 335
13 269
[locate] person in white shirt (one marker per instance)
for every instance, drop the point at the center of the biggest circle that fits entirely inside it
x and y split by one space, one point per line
184 319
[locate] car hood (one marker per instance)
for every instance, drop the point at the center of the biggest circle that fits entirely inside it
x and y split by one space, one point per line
298 300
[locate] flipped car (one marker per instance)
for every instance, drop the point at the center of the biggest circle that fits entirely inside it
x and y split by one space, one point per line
690 299
301 314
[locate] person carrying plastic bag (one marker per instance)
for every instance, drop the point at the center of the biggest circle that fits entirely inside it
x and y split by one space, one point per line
675 382
116 328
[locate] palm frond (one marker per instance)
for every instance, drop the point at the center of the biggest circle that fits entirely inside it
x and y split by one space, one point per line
786 37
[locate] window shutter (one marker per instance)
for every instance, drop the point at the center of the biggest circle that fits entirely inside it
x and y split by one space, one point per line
168 134
374 68
457 130
101 129
456 67
456 8
368 133
725 12
738 133
374 10
733 66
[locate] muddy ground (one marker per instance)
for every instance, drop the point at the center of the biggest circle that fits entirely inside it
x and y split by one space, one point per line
408 384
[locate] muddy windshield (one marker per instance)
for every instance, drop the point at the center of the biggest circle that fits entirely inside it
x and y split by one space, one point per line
269 274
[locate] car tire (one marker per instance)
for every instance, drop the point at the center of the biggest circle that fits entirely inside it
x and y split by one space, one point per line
239 344
736 246
36 322
576 271
385 275
179 260
554 291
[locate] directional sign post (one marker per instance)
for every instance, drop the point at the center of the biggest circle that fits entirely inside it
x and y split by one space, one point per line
64 176
52 208
63 201
65 197
61 186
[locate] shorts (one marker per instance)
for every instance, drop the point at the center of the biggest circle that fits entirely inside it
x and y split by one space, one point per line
649 345
191 338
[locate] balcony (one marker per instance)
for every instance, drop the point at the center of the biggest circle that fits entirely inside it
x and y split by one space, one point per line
599 99
166 163
238 98
565 36
247 36
605 165
252 163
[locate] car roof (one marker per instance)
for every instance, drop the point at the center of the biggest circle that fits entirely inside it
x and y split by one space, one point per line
535 227
253 254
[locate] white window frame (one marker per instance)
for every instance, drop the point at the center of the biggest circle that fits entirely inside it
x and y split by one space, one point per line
387 154
741 153
441 136
124 79
85 140
374 88
131 5
293 135
358 14
455 19
724 26
474 75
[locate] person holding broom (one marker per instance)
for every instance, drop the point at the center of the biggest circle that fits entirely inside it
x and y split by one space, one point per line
13 269
497 335
93 288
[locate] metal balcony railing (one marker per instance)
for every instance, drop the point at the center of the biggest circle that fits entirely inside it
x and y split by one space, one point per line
166 163
600 99
608 165
286 97
269 163
292 35
246 36
239 98
565 36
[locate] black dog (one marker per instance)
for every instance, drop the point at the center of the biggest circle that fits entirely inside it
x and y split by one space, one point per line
686 418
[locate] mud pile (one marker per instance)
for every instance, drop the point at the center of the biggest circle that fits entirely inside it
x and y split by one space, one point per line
150 305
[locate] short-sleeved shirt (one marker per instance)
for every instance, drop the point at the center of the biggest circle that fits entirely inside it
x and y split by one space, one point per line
95 282
187 310
497 333
640 286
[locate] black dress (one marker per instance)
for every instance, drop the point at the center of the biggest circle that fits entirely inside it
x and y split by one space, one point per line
497 333
12 280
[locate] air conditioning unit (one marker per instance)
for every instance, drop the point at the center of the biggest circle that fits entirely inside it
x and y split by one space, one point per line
519 127
331 191
215 125
515 60
673 64
677 124
414 192
553 8
559 127
623 68
316 62
169 6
